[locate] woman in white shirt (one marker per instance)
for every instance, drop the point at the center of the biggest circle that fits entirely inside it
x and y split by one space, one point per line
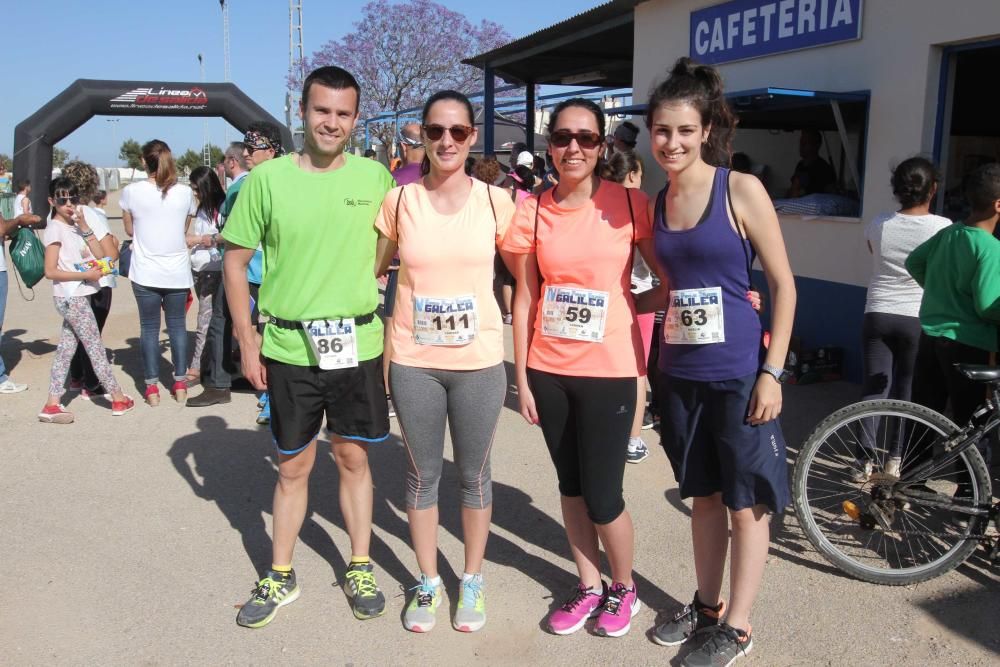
891 329
206 261
156 213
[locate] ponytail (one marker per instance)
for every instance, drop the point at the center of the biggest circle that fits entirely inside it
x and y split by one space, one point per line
160 164
701 87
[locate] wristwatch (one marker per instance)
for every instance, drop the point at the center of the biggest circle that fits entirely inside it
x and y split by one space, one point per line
779 374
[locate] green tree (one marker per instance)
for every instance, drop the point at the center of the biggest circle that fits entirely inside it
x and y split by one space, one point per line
59 157
131 152
187 162
5 163
216 153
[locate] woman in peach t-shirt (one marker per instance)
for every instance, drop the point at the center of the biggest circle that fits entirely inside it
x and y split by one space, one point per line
578 354
447 346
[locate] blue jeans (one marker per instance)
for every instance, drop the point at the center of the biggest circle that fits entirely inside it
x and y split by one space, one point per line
172 300
3 307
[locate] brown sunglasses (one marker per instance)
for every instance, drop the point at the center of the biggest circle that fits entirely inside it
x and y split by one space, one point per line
587 140
458 132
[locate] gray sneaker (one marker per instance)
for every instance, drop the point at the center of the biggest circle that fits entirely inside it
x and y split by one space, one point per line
366 598
722 646
421 613
470 615
272 593
693 618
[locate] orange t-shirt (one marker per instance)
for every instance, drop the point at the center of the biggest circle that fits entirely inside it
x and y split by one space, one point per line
446 262
586 247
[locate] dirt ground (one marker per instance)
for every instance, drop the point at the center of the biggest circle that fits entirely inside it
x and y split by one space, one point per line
133 540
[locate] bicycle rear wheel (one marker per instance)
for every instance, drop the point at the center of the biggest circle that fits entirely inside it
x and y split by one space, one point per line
872 526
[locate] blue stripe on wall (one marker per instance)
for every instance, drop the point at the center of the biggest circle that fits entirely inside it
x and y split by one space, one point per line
827 313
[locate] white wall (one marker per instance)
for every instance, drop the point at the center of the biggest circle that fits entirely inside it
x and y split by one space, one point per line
897 59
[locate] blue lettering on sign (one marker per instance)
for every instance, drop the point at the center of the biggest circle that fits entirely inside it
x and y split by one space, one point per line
437 306
695 300
743 29
579 299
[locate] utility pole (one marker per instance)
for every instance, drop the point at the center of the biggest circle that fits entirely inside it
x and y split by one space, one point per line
206 154
296 60
225 53
114 136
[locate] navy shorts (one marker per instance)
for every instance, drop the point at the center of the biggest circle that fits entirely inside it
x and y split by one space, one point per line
712 449
352 399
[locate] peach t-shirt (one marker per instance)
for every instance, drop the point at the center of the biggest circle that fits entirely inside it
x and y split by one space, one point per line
587 247
446 257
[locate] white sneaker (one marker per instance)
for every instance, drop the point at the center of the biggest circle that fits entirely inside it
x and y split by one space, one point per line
862 470
8 386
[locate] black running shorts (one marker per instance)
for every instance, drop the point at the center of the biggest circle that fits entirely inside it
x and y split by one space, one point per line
353 400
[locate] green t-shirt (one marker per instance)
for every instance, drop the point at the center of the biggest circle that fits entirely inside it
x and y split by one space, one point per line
231 194
318 234
959 269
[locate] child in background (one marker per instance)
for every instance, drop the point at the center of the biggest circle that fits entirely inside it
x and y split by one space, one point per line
69 240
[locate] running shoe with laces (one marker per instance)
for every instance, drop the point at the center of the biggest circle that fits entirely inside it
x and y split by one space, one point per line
272 592
620 606
420 614
8 386
470 615
366 598
693 618
722 646
862 470
637 451
580 606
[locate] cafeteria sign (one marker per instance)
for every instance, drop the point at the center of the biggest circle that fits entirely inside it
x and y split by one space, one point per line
744 29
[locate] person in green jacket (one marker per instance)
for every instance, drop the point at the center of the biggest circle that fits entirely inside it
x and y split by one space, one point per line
959 269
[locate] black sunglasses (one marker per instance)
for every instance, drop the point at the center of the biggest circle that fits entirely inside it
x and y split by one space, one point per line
62 201
585 139
458 132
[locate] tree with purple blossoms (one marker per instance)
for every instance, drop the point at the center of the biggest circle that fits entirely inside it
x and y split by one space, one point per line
403 53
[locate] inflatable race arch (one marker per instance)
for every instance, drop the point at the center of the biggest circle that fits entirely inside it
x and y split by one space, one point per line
35 136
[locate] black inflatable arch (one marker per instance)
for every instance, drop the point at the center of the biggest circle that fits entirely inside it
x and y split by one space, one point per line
35 136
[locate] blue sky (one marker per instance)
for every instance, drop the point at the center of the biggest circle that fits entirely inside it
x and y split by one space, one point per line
51 43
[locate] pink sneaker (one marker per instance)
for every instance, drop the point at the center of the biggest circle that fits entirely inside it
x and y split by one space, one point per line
619 608
55 414
583 604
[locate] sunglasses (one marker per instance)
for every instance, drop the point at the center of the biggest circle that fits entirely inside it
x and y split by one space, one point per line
563 138
62 201
458 132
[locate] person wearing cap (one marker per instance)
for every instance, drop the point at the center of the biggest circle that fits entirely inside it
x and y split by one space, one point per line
413 155
624 137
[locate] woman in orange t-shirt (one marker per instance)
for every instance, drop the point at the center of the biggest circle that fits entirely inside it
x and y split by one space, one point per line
447 346
579 356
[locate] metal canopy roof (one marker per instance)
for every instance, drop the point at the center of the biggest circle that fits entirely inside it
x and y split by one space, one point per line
593 48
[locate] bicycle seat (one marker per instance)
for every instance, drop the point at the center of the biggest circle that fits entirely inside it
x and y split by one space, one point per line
979 373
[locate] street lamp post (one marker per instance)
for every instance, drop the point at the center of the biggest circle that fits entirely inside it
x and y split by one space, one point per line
114 137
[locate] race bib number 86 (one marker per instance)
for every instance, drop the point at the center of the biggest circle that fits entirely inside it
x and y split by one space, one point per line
334 342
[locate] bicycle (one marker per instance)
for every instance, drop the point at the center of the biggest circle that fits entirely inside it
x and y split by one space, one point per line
904 521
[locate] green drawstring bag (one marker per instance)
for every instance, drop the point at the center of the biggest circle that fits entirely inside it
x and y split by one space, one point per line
28 257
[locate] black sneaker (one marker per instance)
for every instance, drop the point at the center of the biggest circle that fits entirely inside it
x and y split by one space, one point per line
272 593
637 451
647 419
722 646
690 620
366 598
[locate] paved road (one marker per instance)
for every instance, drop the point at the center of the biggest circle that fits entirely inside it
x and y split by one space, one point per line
132 541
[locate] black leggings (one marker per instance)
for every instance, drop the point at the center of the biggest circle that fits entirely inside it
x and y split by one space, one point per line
80 369
586 423
890 355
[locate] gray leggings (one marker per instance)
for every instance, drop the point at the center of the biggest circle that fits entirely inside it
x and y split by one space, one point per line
472 401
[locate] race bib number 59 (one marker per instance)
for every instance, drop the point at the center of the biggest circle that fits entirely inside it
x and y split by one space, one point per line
334 342
695 317
575 313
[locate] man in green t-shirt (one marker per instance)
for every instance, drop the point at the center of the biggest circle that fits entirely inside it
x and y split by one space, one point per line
959 269
313 212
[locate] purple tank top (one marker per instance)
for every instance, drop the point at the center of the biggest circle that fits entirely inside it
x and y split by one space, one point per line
711 332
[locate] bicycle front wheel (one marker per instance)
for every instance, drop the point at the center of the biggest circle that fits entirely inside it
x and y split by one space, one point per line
853 508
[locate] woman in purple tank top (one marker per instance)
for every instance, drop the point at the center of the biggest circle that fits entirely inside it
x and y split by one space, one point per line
720 396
